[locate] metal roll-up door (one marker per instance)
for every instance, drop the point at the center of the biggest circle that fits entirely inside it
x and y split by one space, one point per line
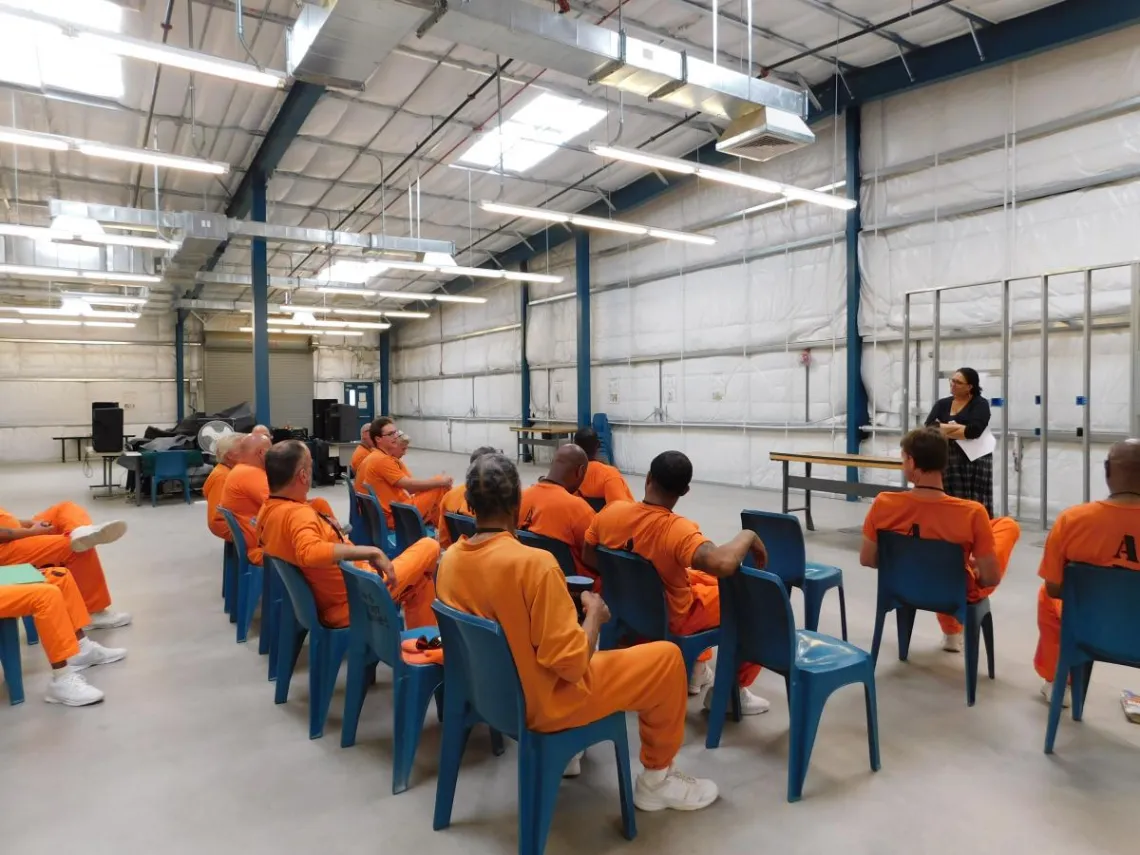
229 379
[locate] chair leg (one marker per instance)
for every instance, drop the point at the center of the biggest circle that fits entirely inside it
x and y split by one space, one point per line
1057 701
324 665
880 619
547 774
498 746
842 612
10 661
988 635
454 740
872 720
973 632
410 704
724 684
904 617
1080 684
625 784
245 583
30 631
353 696
804 724
813 604
290 638
266 633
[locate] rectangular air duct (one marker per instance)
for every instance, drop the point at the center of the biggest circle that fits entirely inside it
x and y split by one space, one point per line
518 29
765 134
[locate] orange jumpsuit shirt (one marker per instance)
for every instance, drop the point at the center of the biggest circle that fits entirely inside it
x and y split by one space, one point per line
603 481
359 456
549 510
246 490
382 472
454 501
946 518
665 539
212 490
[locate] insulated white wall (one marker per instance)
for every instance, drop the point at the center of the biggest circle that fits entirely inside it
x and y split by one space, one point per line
1013 172
702 349
455 376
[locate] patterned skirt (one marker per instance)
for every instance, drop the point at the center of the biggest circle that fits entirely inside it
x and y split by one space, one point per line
970 479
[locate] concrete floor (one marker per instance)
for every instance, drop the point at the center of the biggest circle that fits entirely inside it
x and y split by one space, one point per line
189 754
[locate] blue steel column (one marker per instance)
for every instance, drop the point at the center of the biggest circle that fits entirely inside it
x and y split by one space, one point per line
524 363
385 372
260 273
180 363
857 415
582 269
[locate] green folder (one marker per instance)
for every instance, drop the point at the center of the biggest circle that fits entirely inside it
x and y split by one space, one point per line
20 574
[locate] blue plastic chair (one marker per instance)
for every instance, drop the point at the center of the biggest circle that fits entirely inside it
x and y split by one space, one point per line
378 525
1098 624
601 426
170 466
459 525
557 548
784 539
480 677
10 659
918 574
356 523
375 630
636 599
30 631
410 526
362 536
327 646
757 626
230 569
250 580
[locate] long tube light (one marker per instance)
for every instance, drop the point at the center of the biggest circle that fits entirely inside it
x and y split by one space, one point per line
56 142
405 295
473 272
305 332
597 223
96 299
30 271
369 313
723 176
458 298
39 233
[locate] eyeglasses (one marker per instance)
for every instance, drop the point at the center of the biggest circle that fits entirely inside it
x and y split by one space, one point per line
390 433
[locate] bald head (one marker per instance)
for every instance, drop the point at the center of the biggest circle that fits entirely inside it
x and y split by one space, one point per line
1122 467
253 448
262 430
568 467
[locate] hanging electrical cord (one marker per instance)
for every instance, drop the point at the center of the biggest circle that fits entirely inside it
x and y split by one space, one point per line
239 13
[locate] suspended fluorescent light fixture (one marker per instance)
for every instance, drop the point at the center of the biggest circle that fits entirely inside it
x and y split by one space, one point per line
95 299
723 176
597 223
53 234
457 298
114 324
305 332
410 295
55 142
11 320
53 323
376 313
30 271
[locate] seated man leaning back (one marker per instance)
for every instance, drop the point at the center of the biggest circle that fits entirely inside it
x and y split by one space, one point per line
386 473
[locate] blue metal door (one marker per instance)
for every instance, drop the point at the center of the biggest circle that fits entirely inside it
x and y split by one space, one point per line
363 397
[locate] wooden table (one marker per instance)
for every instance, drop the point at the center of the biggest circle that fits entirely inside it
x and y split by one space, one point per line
547 434
831 458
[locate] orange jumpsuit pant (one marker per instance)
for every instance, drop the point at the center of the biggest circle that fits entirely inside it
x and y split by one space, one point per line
648 679
705 614
54 550
1006 533
1048 636
57 608
428 503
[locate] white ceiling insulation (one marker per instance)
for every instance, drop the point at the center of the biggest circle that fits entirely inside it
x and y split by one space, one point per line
354 145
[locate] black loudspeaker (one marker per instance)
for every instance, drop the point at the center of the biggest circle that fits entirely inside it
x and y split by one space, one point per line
343 424
321 407
107 429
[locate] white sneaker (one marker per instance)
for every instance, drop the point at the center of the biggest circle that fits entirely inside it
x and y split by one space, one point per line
93 653
750 704
1047 694
68 687
89 536
108 619
574 767
952 643
672 789
702 676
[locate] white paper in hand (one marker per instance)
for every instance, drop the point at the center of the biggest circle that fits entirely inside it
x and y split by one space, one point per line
980 447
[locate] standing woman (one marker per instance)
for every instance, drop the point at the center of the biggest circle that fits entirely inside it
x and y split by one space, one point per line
965 415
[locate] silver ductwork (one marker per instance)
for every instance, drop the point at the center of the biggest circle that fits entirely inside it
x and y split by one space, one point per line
341 43
764 134
518 29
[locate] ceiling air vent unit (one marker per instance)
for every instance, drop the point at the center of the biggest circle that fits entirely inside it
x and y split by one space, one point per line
764 134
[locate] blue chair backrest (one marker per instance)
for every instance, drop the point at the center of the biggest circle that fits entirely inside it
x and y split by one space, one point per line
755 609
601 425
634 592
597 503
170 464
1100 611
784 540
235 533
476 650
370 605
927 574
377 522
409 524
557 548
301 595
459 525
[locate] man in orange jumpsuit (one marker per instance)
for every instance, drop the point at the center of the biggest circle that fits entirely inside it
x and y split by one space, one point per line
602 481
385 473
454 501
291 529
364 449
688 562
926 511
64 536
57 607
246 489
552 509
565 681
225 452
1104 533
